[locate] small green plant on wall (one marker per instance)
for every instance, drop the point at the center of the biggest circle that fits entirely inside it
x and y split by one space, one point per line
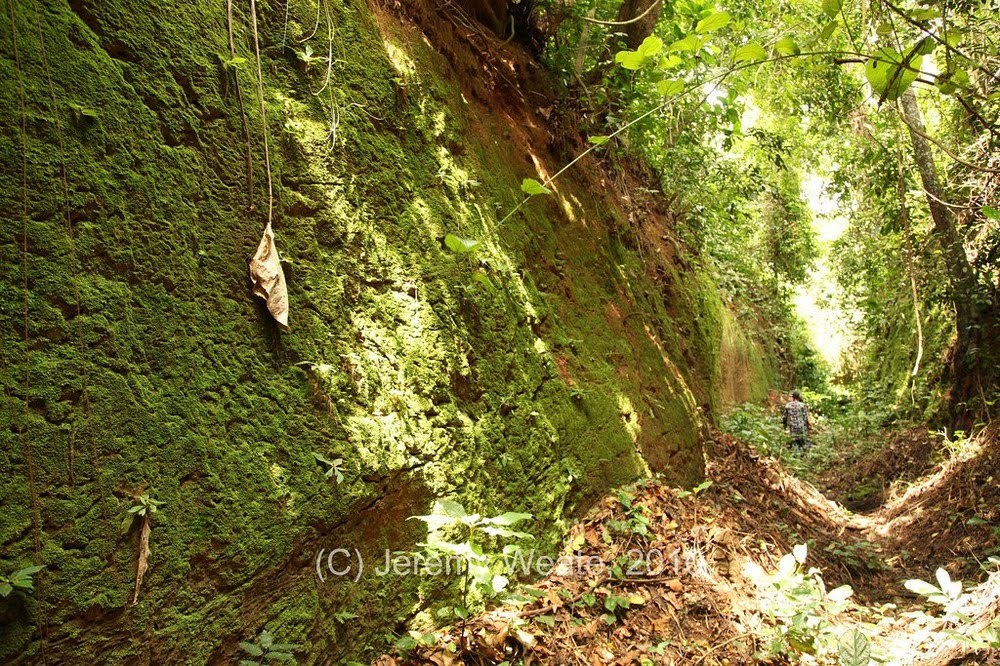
453 535
21 580
144 507
334 468
265 651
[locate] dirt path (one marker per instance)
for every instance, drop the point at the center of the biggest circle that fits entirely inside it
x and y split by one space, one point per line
724 589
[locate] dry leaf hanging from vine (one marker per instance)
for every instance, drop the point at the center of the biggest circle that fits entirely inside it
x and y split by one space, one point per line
268 278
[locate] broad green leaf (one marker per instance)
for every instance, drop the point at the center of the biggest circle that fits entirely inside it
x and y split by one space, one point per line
887 75
943 579
803 643
5 589
266 639
786 566
670 61
650 46
831 7
884 29
459 245
509 518
668 87
828 30
532 187
127 522
483 279
629 59
953 81
406 643
701 487
926 46
28 571
786 46
750 52
280 656
504 532
599 140
951 588
853 649
252 649
924 14
711 23
840 594
921 587
689 43
450 509
990 212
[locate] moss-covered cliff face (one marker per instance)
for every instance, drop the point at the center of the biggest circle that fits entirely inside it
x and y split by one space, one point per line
532 374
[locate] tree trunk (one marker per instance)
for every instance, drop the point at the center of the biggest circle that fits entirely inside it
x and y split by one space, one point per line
638 30
963 285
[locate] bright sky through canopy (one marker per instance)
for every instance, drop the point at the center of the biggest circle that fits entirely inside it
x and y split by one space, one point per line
826 321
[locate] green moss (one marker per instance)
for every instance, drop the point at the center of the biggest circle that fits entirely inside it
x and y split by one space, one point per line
538 394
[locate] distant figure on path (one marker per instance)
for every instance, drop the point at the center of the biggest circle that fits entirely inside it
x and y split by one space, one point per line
796 421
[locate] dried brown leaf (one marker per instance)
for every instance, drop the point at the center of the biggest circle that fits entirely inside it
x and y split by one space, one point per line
144 553
269 279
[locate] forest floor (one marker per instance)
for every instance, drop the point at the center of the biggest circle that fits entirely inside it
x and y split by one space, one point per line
749 567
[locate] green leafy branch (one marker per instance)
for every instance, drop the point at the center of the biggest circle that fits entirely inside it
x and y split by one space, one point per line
21 580
478 566
265 650
144 507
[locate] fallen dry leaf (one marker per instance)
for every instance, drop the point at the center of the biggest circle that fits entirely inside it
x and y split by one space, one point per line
268 278
144 554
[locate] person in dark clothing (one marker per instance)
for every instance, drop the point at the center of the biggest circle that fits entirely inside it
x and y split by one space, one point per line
796 421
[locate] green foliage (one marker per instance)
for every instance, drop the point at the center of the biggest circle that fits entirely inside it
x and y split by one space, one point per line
802 610
334 468
713 22
755 426
460 245
265 651
144 506
454 534
81 113
21 580
531 187
749 53
635 523
947 591
854 649
636 59
696 491
890 73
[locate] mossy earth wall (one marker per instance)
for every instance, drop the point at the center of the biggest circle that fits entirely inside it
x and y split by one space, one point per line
531 375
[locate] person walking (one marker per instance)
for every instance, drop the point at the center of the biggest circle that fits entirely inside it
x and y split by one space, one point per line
796 421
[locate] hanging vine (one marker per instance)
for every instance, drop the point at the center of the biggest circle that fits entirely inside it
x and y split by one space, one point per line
25 429
265 267
95 453
231 65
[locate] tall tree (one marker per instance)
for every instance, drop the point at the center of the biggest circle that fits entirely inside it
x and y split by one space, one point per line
965 292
